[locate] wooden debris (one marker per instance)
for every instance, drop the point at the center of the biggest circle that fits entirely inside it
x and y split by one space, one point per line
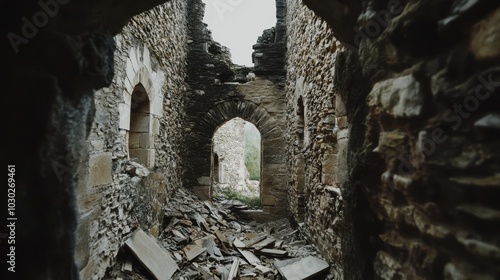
153 257
278 244
301 268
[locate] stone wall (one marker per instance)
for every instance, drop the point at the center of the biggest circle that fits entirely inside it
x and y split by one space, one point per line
229 146
133 165
317 131
219 91
420 87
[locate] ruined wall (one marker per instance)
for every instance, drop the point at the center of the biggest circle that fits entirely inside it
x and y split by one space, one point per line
229 145
120 191
219 91
317 131
420 85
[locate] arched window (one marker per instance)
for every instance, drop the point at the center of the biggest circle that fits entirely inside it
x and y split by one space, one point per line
139 144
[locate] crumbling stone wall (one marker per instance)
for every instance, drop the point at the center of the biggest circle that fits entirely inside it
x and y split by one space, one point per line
317 131
220 91
420 86
118 192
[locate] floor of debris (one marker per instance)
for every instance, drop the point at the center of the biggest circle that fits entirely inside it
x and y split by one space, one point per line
209 240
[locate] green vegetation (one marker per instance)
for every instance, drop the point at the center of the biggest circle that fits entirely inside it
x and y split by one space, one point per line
229 194
252 151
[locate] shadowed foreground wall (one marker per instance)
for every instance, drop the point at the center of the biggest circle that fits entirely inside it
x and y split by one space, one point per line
420 82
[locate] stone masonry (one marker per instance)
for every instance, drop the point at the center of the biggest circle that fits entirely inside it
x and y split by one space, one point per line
419 82
219 91
379 122
317 131
120 191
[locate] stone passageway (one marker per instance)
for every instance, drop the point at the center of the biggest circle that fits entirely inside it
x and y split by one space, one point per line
379 126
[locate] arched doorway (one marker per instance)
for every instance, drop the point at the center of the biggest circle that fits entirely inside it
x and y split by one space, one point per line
199 168
236 162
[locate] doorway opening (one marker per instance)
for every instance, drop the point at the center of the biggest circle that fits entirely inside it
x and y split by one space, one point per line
236 163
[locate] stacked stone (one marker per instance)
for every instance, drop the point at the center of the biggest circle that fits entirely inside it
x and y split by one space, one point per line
420 85
314 195
115 197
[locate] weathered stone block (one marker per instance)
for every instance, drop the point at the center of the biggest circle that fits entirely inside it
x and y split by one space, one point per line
340 110
156 126
124 111
342 168
140 155
139 123
485 38
328 168
100 167
268 200
134 141
342 122
144 140
399 97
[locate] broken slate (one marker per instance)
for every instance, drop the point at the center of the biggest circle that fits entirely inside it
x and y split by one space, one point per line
301 268
153 257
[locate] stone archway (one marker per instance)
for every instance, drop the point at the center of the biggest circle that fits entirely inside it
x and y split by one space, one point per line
142 91
198 165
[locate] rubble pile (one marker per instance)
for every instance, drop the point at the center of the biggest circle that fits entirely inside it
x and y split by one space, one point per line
205 240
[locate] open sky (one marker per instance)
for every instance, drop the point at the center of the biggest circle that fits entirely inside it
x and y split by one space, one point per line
237 24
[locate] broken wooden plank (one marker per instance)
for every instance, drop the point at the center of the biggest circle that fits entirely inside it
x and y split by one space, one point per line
273 253
233 273
249 256
264 243
301 268
254 240
278 244
153 257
